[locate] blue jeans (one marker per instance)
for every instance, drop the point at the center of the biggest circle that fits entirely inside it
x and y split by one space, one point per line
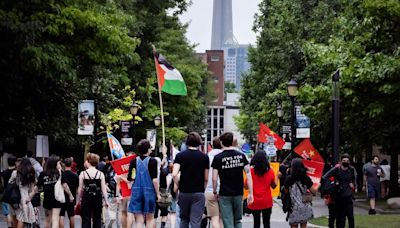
231 208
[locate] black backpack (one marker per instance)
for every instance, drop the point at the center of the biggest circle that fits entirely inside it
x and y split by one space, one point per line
12 195
92 189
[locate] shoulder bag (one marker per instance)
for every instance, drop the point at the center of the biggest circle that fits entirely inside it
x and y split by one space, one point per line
306 196
59 191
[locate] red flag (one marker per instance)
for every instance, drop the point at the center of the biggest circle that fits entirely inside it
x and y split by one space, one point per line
314 170
121 167
307 151
263 134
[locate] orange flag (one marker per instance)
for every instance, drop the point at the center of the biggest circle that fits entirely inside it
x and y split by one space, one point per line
265 132
307 151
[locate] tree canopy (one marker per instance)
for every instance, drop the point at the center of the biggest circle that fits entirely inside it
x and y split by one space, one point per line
309 40
55 53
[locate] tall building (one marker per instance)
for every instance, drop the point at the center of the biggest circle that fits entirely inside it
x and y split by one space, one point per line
236 63
222 38
222 26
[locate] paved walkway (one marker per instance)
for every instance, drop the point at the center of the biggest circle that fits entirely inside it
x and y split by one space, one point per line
277 217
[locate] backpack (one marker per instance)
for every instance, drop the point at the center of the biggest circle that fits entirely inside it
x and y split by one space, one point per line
91 189
12 194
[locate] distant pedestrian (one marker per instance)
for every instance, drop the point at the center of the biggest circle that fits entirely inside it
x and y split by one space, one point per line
25 178
297 184
35 164
263 180
72 180
92 193
341 205
193 165
145 187
212 203
385 180
5 177
372 173
228 166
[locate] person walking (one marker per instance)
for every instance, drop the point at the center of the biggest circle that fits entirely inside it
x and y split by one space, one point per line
228 166
25 178
341 205
385 180
263 180
372 173
212 204
5 176
92 192
72 180
35 164
193 165
297 184
145 188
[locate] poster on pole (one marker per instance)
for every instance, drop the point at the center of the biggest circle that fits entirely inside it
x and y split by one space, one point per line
314 170
42 146
286 135
275 167
121 168
85 117
302 123
151 135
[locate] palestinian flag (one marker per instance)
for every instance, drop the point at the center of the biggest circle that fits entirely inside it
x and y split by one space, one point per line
169 79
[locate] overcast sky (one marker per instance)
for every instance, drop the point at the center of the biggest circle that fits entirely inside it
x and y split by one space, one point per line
199 16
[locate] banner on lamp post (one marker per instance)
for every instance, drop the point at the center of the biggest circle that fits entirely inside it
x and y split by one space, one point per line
85 117
302 123
42 146
151 135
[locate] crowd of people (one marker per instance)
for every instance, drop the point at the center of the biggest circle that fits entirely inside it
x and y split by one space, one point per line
191 188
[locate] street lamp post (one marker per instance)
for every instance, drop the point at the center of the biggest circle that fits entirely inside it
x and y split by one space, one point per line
133 110
335 116
292 87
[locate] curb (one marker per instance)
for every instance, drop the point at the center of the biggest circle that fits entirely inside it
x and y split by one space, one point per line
379 210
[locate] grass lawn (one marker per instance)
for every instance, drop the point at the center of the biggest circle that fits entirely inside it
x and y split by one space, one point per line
366 221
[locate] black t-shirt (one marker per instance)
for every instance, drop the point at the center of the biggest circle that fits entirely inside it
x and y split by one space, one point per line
46 182
72 181
230 165
344 178
192 163
6 175
304 180
152 167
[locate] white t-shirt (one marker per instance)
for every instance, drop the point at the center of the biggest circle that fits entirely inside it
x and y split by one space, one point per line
211 156
386 170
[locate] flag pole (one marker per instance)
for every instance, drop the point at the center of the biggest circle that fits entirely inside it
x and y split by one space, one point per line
160 98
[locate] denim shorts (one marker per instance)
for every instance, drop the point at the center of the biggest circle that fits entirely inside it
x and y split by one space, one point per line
142 202
372 191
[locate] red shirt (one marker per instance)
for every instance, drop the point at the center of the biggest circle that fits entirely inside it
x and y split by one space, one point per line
262 190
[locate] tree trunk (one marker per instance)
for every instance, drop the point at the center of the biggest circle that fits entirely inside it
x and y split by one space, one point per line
394 190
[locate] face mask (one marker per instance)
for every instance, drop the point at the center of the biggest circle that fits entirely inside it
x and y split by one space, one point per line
345 164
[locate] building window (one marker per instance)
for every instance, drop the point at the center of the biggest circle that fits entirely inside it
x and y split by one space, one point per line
214 58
